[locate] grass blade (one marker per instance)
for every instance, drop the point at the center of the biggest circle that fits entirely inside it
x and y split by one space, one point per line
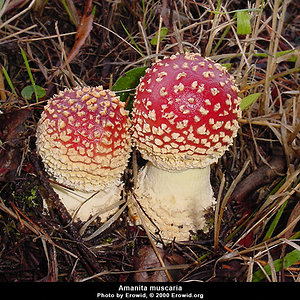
72 18
30 74
132 40
9 81
290 259
275 222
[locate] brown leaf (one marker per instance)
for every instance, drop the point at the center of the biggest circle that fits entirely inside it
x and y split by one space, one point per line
83 31
11 124
293 216
11 131
9 161
229 271
147 259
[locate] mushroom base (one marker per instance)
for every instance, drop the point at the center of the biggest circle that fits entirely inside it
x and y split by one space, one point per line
174 203
83 205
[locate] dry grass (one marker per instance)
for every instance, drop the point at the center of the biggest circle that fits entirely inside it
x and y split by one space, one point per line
259 62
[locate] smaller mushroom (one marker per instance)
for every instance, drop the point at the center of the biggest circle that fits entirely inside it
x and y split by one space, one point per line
184 118
84 143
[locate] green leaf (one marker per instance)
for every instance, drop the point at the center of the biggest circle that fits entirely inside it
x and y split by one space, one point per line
243 22
127 82
163 33
249 100
29 90
290 259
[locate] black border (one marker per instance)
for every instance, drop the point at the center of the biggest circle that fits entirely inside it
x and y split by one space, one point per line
94 291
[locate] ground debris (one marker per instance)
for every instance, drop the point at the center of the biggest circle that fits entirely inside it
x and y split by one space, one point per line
262 176
146 259
82 251
12 133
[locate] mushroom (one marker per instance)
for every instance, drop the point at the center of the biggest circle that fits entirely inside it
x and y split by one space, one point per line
184 118
84 143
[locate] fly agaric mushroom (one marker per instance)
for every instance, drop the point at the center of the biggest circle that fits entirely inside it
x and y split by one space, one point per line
184 118
84 143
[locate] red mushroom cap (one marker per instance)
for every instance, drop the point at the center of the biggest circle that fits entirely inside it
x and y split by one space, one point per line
83 138
185 112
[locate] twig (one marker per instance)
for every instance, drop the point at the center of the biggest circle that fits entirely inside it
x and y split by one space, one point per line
65 56
152 243
158 38
33 227
17 33
217 224
226 199
260 177
18 15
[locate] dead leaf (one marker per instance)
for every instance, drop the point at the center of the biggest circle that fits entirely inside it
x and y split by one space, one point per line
11 132
9 162
83 30
293 216
11 124
147 260
229 271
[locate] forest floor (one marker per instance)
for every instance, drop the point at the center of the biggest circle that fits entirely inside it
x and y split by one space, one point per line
255 230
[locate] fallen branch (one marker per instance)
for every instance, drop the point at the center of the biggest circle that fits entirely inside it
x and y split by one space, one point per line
260 177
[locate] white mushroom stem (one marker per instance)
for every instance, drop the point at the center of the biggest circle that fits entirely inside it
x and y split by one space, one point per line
84 205
175 202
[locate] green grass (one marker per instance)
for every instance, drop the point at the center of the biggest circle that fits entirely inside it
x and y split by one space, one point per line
9 81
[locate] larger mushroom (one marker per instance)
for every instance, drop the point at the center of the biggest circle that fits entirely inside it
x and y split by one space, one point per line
184 119
83 140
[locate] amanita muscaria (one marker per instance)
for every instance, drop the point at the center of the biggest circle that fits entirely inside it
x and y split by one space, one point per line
184 119
84 143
